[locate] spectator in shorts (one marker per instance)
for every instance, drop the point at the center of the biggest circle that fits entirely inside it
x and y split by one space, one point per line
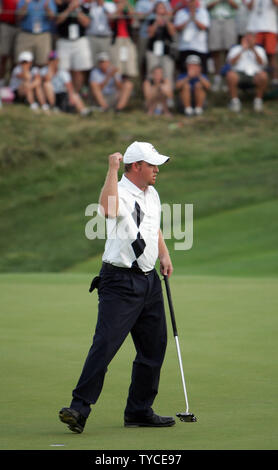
262 22
222 34
123 50
108 87
26 83
161 32
36 19
242 16
99 31
192 23
247 69
58 88
158 91
8 32
193 86
73 46
144 12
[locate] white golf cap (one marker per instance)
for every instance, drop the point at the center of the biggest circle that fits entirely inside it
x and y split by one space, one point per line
193 59
143 151
25 56
103 57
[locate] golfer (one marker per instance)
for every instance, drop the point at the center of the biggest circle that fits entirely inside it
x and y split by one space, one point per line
129 290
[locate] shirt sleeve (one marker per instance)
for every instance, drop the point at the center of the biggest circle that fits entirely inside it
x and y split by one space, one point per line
203 16
261 52
96 76
65 75
110 7
233 52
180 18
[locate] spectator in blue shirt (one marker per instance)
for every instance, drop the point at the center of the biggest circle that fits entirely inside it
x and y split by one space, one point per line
36 18
193 86
108 87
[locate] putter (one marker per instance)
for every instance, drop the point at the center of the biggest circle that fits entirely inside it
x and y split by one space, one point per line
186 417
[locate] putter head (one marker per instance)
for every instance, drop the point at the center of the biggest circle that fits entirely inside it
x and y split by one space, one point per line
187 417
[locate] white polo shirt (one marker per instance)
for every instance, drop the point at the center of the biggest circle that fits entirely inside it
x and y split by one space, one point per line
191 37
132 237
262 17
247 62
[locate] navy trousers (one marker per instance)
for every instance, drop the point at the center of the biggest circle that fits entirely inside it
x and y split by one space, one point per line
129 302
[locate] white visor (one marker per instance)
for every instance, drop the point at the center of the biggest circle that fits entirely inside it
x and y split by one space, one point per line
143 151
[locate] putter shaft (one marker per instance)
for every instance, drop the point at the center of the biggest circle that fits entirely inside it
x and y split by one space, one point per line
183 416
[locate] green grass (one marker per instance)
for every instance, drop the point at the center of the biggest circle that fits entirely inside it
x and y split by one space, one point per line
52 168
227 330
224 288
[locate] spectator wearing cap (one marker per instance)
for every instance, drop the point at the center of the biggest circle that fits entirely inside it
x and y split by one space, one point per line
108 87
193 86
262 22
72 44
99 31
26 83
36 19
158 91
222 34
247 63
161 32
8 32
58 88
192 23
123 49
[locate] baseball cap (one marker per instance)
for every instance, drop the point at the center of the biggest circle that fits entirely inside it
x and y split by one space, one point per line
138 151
103 56
25 56
193 59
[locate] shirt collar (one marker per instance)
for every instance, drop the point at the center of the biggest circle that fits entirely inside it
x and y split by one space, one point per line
131 187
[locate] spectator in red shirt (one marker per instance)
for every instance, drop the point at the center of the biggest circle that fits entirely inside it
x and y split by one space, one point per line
8 32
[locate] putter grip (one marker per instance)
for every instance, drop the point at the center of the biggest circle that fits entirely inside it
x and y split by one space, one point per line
171 308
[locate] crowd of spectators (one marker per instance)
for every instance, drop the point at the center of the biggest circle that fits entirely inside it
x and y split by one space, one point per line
76 55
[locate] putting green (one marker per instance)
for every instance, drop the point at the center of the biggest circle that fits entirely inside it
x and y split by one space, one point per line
227 330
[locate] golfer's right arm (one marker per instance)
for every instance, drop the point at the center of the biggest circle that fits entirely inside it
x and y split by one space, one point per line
109 199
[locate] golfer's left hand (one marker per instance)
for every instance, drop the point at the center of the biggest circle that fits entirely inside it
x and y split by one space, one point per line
166 267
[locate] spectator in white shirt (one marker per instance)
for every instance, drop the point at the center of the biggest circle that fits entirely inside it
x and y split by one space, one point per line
222 33
107 85
263 23
58 88
26 83
247 61
192 23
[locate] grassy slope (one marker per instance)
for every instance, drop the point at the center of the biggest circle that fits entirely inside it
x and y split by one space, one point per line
52 168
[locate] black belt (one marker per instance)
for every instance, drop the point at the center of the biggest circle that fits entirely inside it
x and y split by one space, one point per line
111 267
